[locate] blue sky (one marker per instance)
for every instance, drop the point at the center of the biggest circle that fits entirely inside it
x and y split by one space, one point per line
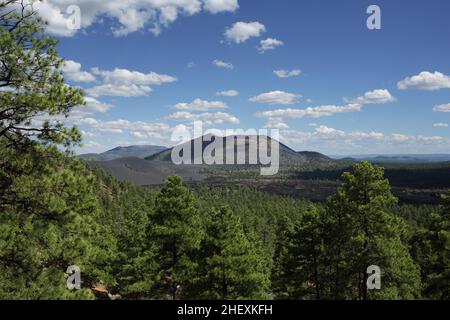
341 88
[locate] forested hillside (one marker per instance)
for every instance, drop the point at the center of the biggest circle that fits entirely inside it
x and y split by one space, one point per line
178 243
238 243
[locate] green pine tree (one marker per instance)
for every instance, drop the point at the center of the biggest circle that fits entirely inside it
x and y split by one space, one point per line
232 266
48 222
32 82
177 232
48 209
301 264
362 232
434 247
136 263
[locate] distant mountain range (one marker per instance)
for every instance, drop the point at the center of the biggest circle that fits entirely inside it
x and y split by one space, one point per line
151 165
288 157
123 152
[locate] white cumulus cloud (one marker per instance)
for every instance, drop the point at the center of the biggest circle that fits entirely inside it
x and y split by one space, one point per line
72 72
223 64
426 81
121 76
95 106
128 16
378 96
442 108
200 105
125 83
91 107
269 44
119 90
276 123
215 6
207 117
316 112
240 32
276 97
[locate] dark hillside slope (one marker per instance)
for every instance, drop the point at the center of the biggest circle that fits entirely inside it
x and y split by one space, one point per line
123 152
288 157
143 172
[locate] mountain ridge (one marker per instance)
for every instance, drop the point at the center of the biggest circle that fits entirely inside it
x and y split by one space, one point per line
287 155
155 168
138 151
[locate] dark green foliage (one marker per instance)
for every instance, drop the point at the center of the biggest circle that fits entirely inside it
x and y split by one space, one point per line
31 80
48 211
327 254
429 175
300 265
369 234
259 212
431 250
126 210
177 232
230 264
173 243
49 221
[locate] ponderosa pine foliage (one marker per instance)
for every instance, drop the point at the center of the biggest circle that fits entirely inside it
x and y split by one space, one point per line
177 232
31 83
361 231
301 267
230 265
126 209
327 252
431 250
48 209
173 242
49 221
440 230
